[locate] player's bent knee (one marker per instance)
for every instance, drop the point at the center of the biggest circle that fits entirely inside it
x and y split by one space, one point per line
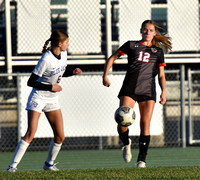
29 136
59 140
28 139
122 129
63 138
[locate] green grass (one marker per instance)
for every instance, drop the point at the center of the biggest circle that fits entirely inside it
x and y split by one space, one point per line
162 163
109 173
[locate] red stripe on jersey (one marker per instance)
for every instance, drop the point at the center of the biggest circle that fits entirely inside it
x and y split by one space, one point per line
120 52
145 45
162 64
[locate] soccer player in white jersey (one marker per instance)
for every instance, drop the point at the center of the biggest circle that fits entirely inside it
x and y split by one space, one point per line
45 80
145 61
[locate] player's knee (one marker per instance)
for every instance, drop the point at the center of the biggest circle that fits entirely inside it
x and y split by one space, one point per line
28 139
122 129
29 136
63 138
59 139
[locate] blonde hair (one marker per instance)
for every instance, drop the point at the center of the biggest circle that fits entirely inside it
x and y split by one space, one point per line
56 37
159 40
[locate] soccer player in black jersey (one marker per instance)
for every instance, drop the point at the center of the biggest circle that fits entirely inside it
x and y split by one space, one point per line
145 61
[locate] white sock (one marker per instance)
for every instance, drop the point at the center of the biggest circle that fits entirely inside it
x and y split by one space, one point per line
54 149
19 152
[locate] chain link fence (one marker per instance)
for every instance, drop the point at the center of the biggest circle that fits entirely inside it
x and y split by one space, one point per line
172 109
85 21
193 106
88 111
8 112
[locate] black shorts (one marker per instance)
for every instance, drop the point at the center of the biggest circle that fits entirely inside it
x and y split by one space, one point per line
138 98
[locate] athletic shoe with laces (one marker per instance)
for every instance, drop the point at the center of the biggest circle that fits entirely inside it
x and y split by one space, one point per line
50 167
141 164
11 169
127 152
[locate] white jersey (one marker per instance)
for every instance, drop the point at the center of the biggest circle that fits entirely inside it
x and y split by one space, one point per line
50 69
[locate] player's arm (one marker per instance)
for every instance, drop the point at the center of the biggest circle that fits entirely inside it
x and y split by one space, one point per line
69 73
107 67
32 82
162 82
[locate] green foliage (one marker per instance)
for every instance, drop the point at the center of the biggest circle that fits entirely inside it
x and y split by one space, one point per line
109 173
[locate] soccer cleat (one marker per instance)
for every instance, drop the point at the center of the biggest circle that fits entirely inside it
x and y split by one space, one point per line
141 164
127 152
11 169
50 167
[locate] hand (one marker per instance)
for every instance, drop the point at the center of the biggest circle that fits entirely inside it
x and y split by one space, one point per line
56 88
77 71
106 81
162 98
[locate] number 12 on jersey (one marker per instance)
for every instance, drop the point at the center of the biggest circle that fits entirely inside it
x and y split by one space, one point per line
144 56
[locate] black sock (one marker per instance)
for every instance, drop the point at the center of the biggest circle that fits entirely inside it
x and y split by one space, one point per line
124 137
143 147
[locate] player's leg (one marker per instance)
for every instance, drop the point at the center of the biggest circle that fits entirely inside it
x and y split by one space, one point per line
23 144
56 121
124 131
146 111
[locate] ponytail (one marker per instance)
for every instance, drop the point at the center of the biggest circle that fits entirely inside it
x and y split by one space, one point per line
161 40
45 46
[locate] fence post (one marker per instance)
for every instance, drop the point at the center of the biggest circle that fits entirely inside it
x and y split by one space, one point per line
108 30
183 122
18 108
8 38
189 106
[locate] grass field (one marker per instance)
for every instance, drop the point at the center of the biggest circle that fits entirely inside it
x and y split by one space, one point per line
162 163
160 173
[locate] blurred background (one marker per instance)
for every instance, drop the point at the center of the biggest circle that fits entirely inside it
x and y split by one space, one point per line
96 29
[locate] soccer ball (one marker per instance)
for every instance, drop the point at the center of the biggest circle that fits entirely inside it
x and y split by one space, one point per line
125 116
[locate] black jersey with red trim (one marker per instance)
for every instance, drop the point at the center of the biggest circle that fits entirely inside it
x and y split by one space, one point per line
143 66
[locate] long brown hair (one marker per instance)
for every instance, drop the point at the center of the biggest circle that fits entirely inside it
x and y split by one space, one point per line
56 37
159 40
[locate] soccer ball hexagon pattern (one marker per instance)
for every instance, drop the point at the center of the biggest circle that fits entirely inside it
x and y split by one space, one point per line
125 116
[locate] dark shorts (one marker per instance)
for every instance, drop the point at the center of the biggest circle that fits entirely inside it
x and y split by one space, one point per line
138 98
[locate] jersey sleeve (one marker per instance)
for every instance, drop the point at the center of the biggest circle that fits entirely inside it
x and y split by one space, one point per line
124 48
161 60
32 82
41 66
68 73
